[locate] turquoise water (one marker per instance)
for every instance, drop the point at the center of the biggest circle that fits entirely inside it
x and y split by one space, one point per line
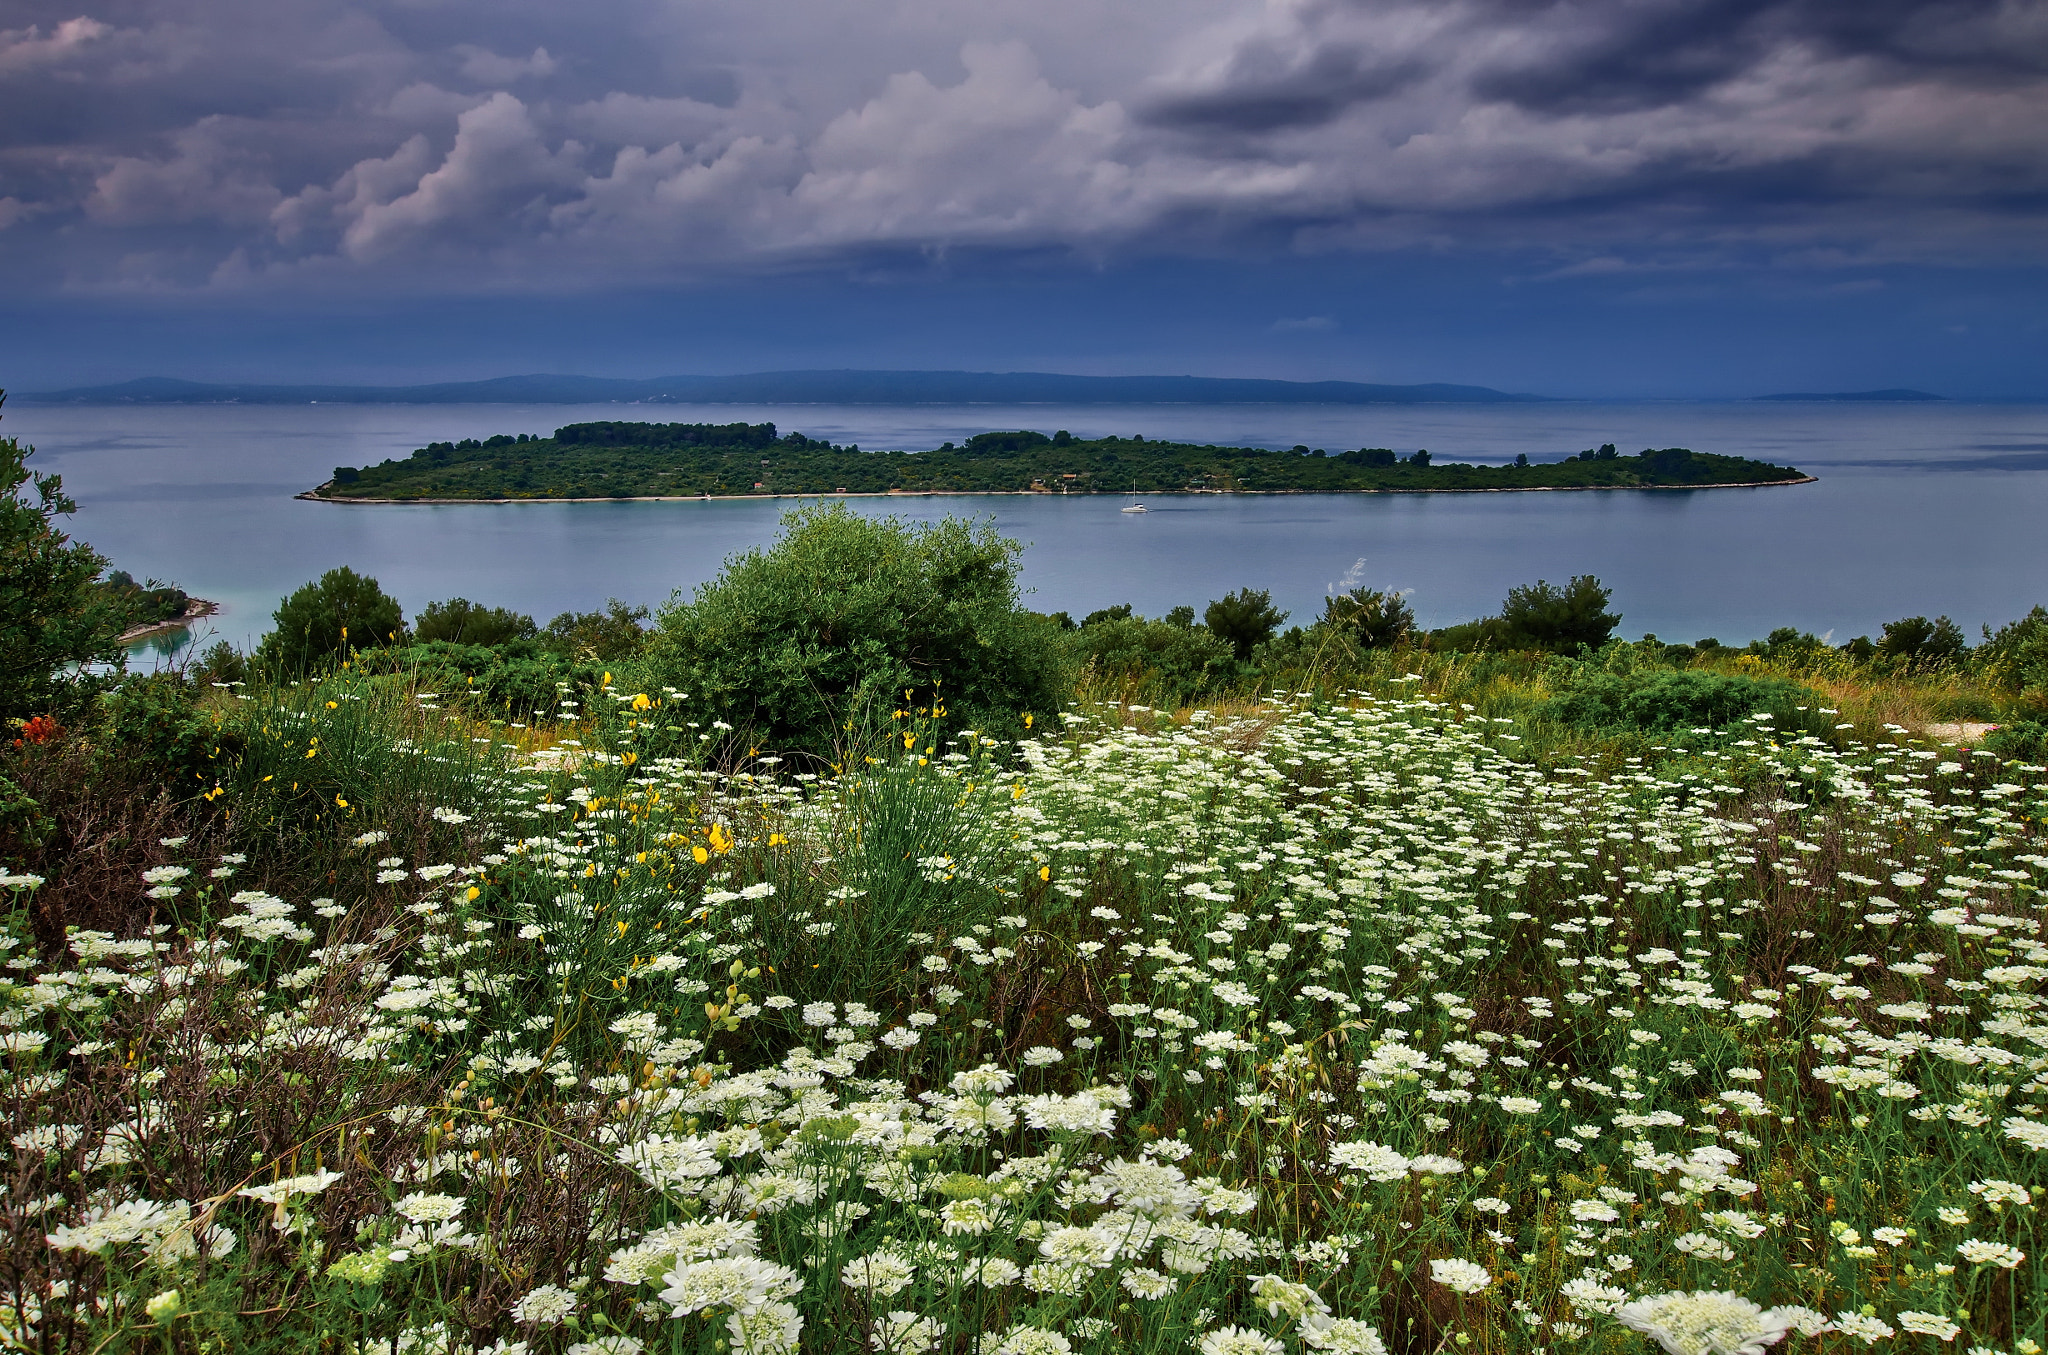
1921 509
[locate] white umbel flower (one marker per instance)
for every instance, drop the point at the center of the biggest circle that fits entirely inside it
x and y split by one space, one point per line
1705 1322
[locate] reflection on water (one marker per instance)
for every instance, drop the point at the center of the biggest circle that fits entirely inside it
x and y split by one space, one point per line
1911 516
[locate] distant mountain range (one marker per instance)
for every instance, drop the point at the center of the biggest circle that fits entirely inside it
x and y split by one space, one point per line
1856 395
818 388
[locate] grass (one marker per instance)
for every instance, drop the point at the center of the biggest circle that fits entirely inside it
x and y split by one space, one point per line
1363 1018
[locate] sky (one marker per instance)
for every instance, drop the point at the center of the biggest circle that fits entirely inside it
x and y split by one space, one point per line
1599 198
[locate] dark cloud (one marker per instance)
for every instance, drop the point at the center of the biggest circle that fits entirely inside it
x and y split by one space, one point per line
252 144
1267 88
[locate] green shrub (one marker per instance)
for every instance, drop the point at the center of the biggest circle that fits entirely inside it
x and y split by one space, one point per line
1168 662
153 723
322 621
53 615
823 633
1915 639
1373 619
608 636
1558 620
1670 701
2020 741
460 621
1244 620
2015 656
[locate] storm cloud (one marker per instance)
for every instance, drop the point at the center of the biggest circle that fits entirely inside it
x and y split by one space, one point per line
236 145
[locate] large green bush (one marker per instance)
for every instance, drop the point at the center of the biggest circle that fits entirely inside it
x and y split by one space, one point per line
811 644
2015 656
1668 701
53 616
322 621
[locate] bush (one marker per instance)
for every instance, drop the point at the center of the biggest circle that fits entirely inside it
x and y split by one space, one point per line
1916 640
823 633
1373 620
322 620
460 621
2020 741
153 724
1178 663
1244 620
1558 620
53 616
1666 701
607 636
2015 656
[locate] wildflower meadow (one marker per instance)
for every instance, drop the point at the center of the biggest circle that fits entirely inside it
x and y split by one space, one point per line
1329 1022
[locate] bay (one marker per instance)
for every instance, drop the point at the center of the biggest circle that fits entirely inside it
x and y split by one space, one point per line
1920 509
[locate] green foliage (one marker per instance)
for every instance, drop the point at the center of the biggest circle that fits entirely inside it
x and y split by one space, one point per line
1558 620
1915 639
608 636
831 625
1671 701
460 621
1244 620
1788 645
2015 656
322 621
222 665
620 459
1373 620
153 720
2021 740
1171 663
52 614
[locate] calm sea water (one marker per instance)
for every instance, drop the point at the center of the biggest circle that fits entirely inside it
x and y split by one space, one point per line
1921 509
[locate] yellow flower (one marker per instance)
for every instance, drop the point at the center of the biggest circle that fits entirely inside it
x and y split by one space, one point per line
1045 872
640 702
700 855
1027 719
474 894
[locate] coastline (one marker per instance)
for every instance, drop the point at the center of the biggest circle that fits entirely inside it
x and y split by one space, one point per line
195 609
314 496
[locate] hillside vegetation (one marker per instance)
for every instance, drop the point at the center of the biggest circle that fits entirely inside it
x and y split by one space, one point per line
1380 999
620 460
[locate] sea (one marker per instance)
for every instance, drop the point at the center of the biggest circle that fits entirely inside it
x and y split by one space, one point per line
1919 509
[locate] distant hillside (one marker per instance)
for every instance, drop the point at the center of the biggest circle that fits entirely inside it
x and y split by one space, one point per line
1854 395
824 387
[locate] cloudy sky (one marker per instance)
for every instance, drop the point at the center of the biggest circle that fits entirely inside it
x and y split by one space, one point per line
1600 197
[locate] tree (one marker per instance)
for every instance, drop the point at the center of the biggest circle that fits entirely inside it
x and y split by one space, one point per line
1915 639
324 620
460 621
835 622
52 616
1374 620
614 633
1540 616
1244 620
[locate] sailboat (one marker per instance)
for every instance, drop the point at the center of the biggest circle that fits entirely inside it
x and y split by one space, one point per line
1135 507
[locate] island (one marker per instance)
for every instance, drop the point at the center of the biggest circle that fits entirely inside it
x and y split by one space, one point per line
611 460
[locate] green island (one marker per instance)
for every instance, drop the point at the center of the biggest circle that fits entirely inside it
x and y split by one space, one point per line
694 460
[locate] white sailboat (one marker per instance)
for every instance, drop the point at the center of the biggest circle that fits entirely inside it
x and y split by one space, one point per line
1135 507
